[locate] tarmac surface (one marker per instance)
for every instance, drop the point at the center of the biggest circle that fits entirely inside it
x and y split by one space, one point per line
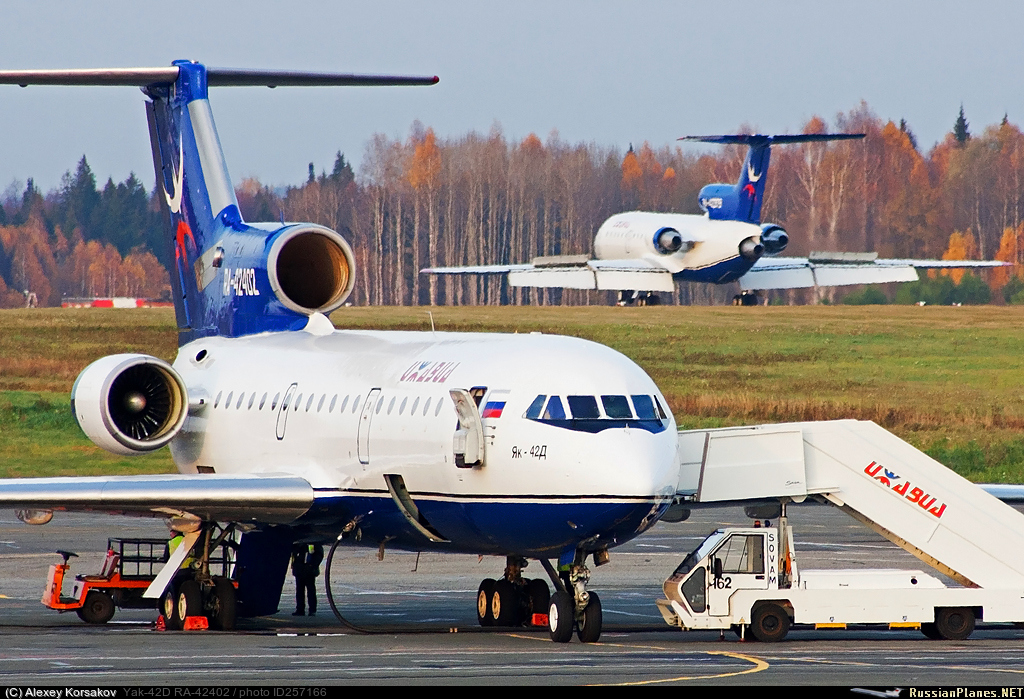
423 609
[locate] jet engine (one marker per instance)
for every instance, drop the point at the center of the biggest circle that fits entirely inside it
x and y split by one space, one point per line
774 238
311 269
129 403
668 241
751 248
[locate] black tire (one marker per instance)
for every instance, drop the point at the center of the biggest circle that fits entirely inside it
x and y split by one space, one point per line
954 623
505 604
590 623
561 616
931 631
769 623
98 608
539 595
484 594
169 608
224 608
190 600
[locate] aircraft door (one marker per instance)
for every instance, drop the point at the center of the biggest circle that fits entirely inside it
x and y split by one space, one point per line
738 564
282 410
365 417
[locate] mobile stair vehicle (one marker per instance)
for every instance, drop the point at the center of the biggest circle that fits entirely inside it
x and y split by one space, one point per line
747 579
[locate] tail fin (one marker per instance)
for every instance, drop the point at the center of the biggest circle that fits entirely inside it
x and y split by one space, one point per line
274 276
742 201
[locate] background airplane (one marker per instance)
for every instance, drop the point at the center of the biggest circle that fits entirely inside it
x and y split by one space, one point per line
525 446
640 253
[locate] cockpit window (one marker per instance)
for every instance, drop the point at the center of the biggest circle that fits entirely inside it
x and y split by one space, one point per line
644 407
616 407
533 412
554 411
661 413
584 407
586 415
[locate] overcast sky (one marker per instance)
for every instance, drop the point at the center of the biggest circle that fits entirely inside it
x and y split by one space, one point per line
608 72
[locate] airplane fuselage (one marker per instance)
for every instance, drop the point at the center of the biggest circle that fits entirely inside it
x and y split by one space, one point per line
348 410
710 251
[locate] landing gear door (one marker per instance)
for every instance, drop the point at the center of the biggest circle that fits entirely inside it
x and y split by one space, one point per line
468 442
738 564
364 426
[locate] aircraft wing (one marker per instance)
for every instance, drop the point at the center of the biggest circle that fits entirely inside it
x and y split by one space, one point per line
576 272
840 269
1004 491
271 499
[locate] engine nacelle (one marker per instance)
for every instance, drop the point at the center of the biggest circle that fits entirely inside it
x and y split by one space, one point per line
668 241
129 403
311 269
774 238
751 248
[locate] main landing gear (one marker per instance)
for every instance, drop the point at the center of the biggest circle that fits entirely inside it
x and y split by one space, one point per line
514 601
638 298
196 592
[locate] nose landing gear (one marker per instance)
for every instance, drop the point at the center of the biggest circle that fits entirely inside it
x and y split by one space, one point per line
573 606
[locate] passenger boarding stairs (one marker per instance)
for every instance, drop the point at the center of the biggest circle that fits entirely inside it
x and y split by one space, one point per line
906 496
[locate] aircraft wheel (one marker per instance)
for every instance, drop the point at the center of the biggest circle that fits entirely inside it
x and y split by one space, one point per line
769 623
98 608
169 608
484 594
590 622
539 595
954 623
224 612
190 600
561 616
505 603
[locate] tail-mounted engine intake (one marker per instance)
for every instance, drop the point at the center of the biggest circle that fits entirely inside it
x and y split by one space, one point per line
311 269
774 238
129 403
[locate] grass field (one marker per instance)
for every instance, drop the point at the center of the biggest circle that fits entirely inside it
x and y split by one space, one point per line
949 380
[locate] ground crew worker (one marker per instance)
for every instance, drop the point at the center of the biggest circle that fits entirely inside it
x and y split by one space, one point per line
306 568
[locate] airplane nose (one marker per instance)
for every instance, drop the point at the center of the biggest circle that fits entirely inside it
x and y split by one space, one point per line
635 462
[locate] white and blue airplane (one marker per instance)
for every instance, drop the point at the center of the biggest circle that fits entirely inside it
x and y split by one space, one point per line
288 430
641 253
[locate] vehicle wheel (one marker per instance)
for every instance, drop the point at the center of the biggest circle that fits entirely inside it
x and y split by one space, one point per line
169 608
539 595
190 600
590 622
98 608
505 604
769 623
954 623
223 612
561 616
930 631
484 594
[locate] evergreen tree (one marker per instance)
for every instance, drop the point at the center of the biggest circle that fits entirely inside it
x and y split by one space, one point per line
77 200
910 134
312 175
960 131
342 173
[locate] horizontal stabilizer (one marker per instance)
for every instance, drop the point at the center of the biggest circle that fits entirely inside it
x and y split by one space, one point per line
762 140
220 77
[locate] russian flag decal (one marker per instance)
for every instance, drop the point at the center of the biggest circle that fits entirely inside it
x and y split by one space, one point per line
493 409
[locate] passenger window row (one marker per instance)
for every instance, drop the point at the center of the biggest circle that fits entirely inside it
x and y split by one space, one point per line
230 402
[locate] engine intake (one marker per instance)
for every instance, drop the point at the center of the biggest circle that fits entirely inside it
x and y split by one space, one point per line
130 403
311 269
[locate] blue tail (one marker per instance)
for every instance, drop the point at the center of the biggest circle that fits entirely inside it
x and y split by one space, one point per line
742 201
231 278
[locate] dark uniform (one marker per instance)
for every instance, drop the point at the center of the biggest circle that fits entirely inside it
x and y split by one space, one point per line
306 568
